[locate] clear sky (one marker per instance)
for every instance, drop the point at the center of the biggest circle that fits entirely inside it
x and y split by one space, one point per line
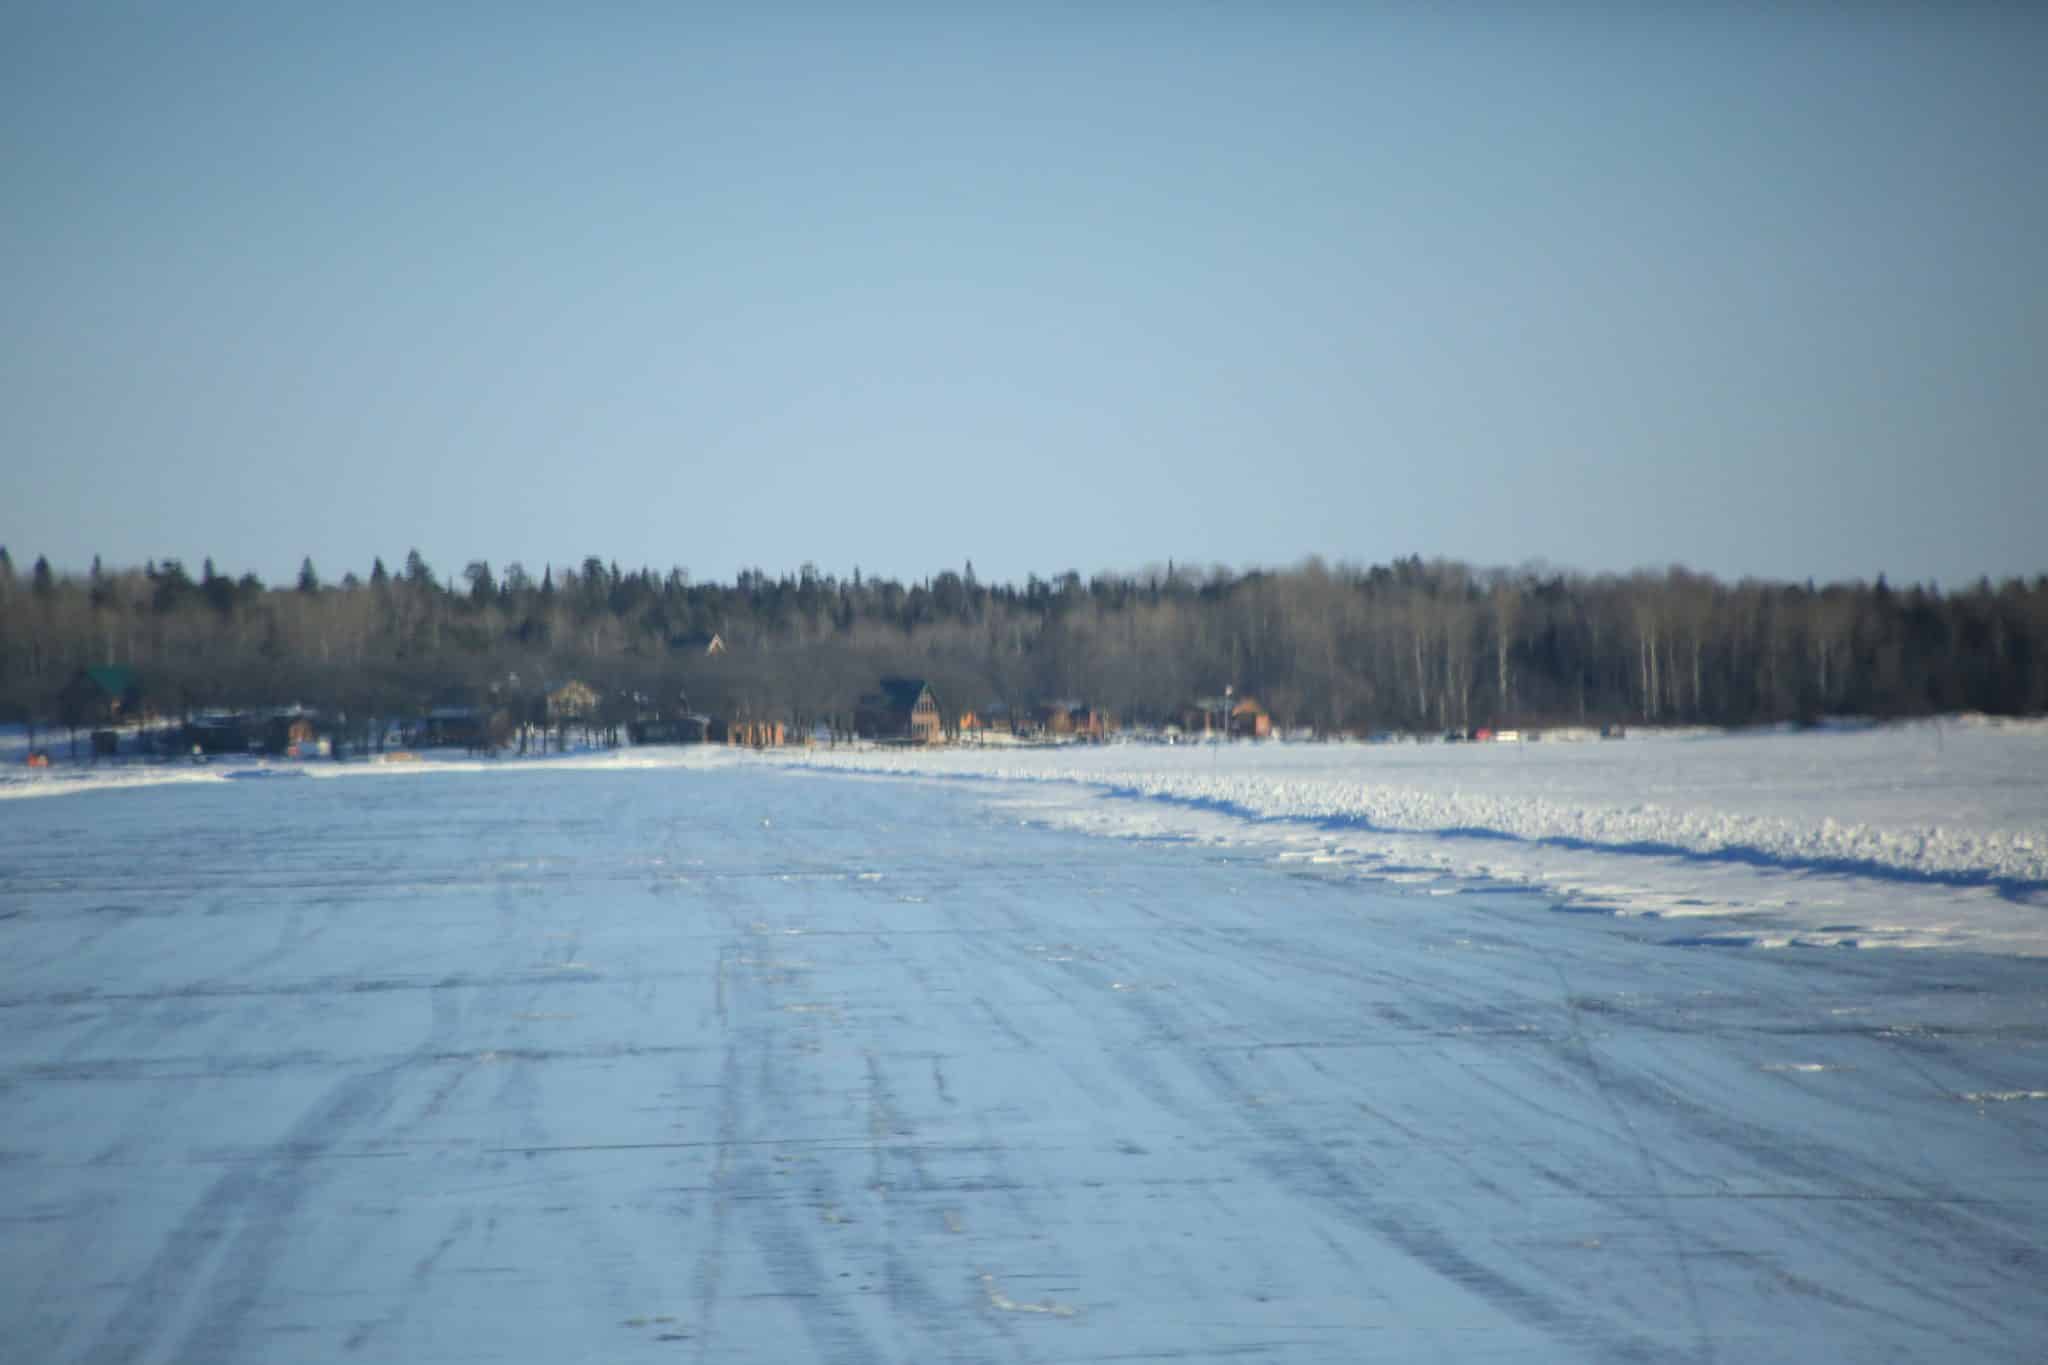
1041 287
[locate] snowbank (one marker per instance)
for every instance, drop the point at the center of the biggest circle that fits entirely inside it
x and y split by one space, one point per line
1919 835
67 777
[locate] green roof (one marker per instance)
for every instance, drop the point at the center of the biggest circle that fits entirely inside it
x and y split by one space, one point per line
113 679
903 694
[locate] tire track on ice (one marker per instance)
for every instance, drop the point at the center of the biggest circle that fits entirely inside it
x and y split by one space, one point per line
217 1278
1297 1162
1675 1236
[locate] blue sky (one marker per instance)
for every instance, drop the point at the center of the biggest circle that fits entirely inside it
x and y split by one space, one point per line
1760 293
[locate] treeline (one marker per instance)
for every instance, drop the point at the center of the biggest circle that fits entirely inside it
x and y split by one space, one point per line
1406 645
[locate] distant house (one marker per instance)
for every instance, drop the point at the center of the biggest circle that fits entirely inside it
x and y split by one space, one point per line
703 642
221 732
459 727
1236 717
751 734
904 711
993 719
571 701
1055 718
654 722
289 732
1248 720
1088 722
100 696
677 729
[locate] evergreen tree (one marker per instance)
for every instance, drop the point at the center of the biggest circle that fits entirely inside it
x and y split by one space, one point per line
219 591
309 580
1404 645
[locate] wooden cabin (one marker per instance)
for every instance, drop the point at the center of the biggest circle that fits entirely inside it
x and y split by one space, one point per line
903 711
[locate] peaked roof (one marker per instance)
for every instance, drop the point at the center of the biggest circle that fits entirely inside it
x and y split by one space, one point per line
903 693
112 679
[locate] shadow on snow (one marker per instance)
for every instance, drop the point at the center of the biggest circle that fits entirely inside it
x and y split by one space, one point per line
2019 890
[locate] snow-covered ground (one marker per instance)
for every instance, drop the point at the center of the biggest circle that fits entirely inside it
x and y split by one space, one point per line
710 1060
78 777
1933 834
1924 835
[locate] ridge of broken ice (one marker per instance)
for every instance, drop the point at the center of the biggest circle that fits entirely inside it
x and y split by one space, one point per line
1915 835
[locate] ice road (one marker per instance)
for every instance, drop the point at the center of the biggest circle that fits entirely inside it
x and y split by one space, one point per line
743 1064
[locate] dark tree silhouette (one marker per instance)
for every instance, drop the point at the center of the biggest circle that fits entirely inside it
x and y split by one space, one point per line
1404 645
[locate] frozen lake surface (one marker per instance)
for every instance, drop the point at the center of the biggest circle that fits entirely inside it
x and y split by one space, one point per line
734 1063
1929 834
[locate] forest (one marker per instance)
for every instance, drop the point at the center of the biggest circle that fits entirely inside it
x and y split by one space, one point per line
1406 645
